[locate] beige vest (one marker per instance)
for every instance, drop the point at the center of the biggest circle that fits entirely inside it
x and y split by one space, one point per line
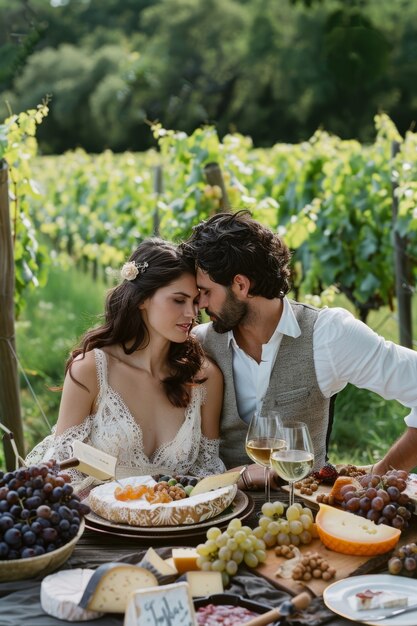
292 390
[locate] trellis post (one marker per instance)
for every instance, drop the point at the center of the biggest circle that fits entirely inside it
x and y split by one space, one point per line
10 414
214 176
402 270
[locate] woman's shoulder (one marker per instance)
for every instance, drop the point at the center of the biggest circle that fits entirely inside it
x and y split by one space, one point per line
84 364
210 371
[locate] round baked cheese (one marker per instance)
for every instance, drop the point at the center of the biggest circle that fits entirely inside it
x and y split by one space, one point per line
61 593
141 513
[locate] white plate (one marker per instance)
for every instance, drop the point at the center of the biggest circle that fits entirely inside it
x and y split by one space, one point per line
338 597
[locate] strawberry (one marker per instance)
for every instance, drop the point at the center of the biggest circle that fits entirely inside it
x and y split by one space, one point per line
328 474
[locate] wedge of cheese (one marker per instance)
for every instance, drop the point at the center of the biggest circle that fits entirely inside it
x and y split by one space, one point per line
217 481
368 600
351 534
204 583
163 571
61 593
112 584
185 559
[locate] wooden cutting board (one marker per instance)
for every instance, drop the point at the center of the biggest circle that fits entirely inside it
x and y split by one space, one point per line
345 564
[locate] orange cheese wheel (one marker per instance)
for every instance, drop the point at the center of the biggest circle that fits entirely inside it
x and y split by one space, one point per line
351 534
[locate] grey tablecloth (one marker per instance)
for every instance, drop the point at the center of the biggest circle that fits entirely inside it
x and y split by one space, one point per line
20 601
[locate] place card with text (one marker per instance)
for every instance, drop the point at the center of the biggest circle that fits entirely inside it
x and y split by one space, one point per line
167 605
94 462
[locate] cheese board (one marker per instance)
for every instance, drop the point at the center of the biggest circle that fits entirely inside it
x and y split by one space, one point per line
345 565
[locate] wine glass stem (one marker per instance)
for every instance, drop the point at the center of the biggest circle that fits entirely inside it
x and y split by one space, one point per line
291 493
267 485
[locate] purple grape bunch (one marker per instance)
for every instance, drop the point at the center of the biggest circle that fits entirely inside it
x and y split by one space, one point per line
381 499
39 511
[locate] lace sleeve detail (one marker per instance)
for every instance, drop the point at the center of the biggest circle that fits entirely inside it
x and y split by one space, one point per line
59 447
208 460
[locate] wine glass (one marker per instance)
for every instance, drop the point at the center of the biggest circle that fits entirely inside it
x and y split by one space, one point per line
294 461
261 440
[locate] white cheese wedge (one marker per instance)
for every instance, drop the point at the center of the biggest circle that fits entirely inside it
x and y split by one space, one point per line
369 599
112 584
61 593
164 572
204 583
218 481
171 563
185 559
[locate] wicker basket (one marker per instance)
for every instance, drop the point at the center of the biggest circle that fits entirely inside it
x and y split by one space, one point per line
18 569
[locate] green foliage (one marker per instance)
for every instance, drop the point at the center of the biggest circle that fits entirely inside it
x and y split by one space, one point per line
18 147
330 199
55 317
276 71
89 92
365 426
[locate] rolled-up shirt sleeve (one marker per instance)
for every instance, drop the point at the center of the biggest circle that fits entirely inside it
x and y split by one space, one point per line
347 351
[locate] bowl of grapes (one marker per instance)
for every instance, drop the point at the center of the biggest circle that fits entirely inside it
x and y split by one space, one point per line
41 520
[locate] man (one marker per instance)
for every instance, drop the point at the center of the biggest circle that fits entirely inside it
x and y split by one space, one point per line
276 354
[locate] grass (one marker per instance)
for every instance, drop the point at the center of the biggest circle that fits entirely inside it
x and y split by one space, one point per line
53 321
56 315
366 425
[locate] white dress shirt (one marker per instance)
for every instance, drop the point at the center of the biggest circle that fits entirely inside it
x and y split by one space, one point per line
345 351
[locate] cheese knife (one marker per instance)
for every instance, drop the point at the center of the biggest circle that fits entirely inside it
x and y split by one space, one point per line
393 613
288 607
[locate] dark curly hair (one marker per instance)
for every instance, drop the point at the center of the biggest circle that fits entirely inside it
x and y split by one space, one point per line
234 243
123 323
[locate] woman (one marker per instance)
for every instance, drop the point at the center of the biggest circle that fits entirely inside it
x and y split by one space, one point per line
139 386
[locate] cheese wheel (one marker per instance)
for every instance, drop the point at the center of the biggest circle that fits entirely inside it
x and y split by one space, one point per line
61 593
112 584
351 534
142 513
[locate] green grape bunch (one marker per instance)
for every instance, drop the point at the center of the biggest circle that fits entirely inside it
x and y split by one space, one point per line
225 551
279 527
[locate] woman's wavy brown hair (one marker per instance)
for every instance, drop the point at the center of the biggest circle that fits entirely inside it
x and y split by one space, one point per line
123 323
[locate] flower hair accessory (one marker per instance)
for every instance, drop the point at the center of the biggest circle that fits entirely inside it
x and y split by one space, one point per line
131 269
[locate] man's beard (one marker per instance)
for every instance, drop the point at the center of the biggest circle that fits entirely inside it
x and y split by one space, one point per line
232 313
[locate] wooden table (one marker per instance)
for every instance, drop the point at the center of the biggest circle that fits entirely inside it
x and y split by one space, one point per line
92 550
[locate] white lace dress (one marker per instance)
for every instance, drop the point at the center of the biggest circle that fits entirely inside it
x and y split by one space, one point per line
114 430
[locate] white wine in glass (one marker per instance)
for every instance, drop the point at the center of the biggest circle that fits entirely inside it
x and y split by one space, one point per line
296 460
261 441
